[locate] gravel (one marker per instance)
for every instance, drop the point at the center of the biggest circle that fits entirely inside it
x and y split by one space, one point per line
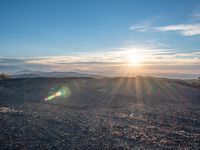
92 119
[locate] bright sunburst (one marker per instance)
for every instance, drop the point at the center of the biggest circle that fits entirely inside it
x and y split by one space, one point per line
135 59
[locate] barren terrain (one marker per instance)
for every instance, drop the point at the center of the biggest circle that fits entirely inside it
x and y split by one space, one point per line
107 113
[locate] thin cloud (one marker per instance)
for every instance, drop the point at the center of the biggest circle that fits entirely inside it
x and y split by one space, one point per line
144 26
151 57
112 56
140 28
196 15
189 54
183 29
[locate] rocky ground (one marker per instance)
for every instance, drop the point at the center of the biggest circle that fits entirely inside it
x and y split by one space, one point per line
118 113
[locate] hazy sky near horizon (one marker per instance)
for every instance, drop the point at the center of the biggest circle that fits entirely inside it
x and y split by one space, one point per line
96 36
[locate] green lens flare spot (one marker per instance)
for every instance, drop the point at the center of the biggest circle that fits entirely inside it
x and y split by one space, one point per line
63 92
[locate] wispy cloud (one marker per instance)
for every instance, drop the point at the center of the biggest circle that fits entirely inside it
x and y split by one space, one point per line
145 25
118 55
118 59
152 54
191 28
140 28
184 29
196 15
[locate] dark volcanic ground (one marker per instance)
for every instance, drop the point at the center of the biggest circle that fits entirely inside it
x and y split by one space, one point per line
110 113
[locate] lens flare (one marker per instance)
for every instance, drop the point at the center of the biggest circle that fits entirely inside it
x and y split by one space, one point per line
62 92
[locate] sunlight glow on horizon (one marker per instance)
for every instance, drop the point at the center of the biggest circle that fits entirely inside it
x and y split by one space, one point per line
135 59
128 61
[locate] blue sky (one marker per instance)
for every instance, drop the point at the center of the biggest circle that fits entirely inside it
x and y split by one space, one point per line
76 30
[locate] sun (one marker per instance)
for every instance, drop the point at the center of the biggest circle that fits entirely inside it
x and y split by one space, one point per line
135 59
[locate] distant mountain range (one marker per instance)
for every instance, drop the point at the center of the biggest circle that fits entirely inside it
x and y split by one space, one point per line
36 74
52 74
